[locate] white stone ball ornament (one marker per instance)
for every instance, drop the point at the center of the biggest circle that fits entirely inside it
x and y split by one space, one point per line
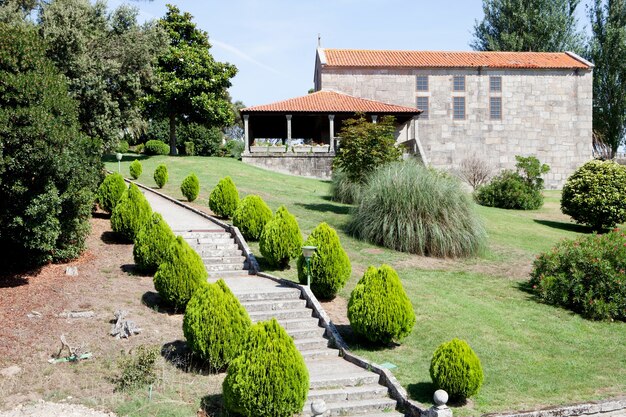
440 398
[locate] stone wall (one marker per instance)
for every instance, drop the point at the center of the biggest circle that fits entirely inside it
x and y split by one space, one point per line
546 113
314 165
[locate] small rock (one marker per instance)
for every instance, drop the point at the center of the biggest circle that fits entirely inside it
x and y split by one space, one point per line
34 314
77 314
71 271
10 371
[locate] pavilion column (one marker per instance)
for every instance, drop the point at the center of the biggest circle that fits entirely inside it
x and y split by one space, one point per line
288 116
331 130
246 133
374 118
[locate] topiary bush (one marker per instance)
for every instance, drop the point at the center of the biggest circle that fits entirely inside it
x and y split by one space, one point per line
224 198
161 175
189 148
190 187
131 213
456 369
135 169
410 208
585 275
251 216
110 192
379 308
180 274
270 379
595 195
342 189
152 243
281 239
330 266
156 147
122 147
215 324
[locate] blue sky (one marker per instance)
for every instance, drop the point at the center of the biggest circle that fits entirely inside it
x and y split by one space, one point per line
273 42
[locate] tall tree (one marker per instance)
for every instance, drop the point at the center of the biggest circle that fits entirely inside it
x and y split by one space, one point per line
607 50
528 25
192 85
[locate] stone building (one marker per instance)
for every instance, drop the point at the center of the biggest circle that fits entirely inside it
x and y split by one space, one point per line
494 105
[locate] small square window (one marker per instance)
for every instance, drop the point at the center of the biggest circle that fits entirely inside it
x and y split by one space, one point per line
459 108
459 83
422 83
422 104
495 84
495 108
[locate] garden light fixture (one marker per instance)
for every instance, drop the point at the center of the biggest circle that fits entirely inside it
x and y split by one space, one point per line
307 252
119 156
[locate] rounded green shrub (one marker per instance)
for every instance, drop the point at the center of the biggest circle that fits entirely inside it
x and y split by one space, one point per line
215 324
595 195
410 208
281 239
161 176
251 216
180 274
110 192
379 308
190 187
122 147
270 379
585 275
135 169
152 243
509 191
131 213
224 198
330 266
156 147
342 189
456 369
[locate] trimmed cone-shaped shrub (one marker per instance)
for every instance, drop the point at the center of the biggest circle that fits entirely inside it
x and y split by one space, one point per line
180 275
281 239
379 308
251 216
135 169
224 198
456 369
161 175
131 213
190 187
152 243
595 195
410 208
330 266
110 192
270 379
215 324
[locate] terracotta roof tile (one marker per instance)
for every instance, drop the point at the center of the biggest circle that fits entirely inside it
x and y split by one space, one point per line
442 59
330 101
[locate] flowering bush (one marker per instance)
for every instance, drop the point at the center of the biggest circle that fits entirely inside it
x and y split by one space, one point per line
586 275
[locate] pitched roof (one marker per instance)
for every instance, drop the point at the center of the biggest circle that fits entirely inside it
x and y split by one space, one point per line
330 101
442 59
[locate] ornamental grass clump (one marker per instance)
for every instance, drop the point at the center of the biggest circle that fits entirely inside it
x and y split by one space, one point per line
281 239
330 266
110 191
586 275
135 169
342 189
131 213
180 275
190 187
270 379
410 208
224 198
215 325
161 175
152 243
456 369
251 216
595 195
379 309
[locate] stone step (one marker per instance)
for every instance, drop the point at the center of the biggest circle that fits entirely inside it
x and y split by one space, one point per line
202 249
223 260
271 305
359 407
297 313
204 235
215 275
211 253
333 372
224 267
299 324
277 293
360 392
311 343
200 243
313 354
297 334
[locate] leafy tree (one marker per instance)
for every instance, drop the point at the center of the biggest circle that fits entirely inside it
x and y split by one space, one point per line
607 50
366 146
48 170
192 85
528 25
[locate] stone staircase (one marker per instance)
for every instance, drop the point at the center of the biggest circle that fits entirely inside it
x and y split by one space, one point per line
219 252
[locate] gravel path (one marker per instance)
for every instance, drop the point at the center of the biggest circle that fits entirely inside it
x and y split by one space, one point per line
45 409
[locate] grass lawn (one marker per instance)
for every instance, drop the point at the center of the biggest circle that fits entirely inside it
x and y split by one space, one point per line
533 355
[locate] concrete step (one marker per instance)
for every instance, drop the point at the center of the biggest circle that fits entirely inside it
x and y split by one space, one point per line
299 324
208 248
298 333
334 372
360 392
224 267
191 234
223 260
215 275
211 253
276 293
201 243
297 313
359 407
271 305
311 343
313 354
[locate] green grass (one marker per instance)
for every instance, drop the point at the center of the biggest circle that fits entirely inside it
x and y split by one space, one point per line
533 355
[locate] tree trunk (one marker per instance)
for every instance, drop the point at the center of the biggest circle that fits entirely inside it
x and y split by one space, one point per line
173 150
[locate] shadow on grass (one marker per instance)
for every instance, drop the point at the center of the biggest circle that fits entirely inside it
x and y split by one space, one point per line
126 157
179 355
133 269
154 301
569 227
326 208
267 267
213 405
354 341
421 391
113 238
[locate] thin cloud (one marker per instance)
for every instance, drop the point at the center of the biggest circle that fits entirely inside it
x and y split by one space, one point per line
243 55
